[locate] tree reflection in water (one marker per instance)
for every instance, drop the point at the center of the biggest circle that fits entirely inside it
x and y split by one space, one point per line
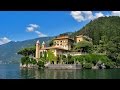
47 74
69 74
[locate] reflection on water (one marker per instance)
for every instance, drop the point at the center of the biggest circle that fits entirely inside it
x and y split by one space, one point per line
48 74
13 71
70 74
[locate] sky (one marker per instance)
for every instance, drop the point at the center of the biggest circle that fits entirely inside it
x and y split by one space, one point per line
24 25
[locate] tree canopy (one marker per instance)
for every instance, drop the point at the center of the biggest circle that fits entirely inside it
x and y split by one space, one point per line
27 51
84 46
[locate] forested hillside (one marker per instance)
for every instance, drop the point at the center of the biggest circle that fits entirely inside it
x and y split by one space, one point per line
108 27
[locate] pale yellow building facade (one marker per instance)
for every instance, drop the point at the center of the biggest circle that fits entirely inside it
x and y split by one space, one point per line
79 38
61 44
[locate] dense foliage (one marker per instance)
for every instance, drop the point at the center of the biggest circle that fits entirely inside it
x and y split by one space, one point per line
103 26
93 59
84 46
27 60
27 51
105 34
113 50
50 56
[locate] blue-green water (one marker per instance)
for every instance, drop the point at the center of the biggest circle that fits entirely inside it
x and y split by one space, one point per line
12 71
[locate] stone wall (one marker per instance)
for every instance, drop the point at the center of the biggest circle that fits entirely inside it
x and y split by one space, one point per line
28 66
63 66
74 53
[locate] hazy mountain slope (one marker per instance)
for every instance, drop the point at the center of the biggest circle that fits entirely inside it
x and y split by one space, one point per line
8 52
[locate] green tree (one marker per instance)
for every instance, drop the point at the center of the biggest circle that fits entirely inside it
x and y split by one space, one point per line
45 55
101 48
33 61
51 42
24 52
25 60
41 63
113 49
103 26
64 58
27 51
85 46
50 56
69 59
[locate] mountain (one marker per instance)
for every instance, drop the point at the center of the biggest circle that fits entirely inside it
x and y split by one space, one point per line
103 26
8 52
109 27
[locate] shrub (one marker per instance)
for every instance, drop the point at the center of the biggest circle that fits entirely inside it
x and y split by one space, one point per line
40 64
33 61
110 65
25 60
87 65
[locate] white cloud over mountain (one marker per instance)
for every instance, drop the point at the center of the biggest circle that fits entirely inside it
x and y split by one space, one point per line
4 40
40 34
34 28
97 15
115 13
81 15
88 15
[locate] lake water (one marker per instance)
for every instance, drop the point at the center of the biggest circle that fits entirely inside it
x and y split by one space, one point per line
13 71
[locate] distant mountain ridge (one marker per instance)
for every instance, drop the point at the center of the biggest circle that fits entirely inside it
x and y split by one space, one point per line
103 26
8 52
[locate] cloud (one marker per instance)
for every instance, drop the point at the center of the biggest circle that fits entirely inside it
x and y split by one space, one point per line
100 14
40 34
88 15
115 13
32 27
4 40
85 15
81 15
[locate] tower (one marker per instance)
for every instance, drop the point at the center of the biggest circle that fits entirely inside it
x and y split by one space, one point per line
43 44
37 49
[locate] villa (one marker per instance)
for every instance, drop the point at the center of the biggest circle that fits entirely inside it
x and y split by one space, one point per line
61 45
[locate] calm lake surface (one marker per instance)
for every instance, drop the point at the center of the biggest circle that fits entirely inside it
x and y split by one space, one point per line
13 71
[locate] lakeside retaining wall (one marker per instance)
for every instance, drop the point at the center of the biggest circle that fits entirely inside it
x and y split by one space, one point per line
64 66
28 66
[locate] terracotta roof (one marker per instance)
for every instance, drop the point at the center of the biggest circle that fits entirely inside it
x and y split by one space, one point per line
53 47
